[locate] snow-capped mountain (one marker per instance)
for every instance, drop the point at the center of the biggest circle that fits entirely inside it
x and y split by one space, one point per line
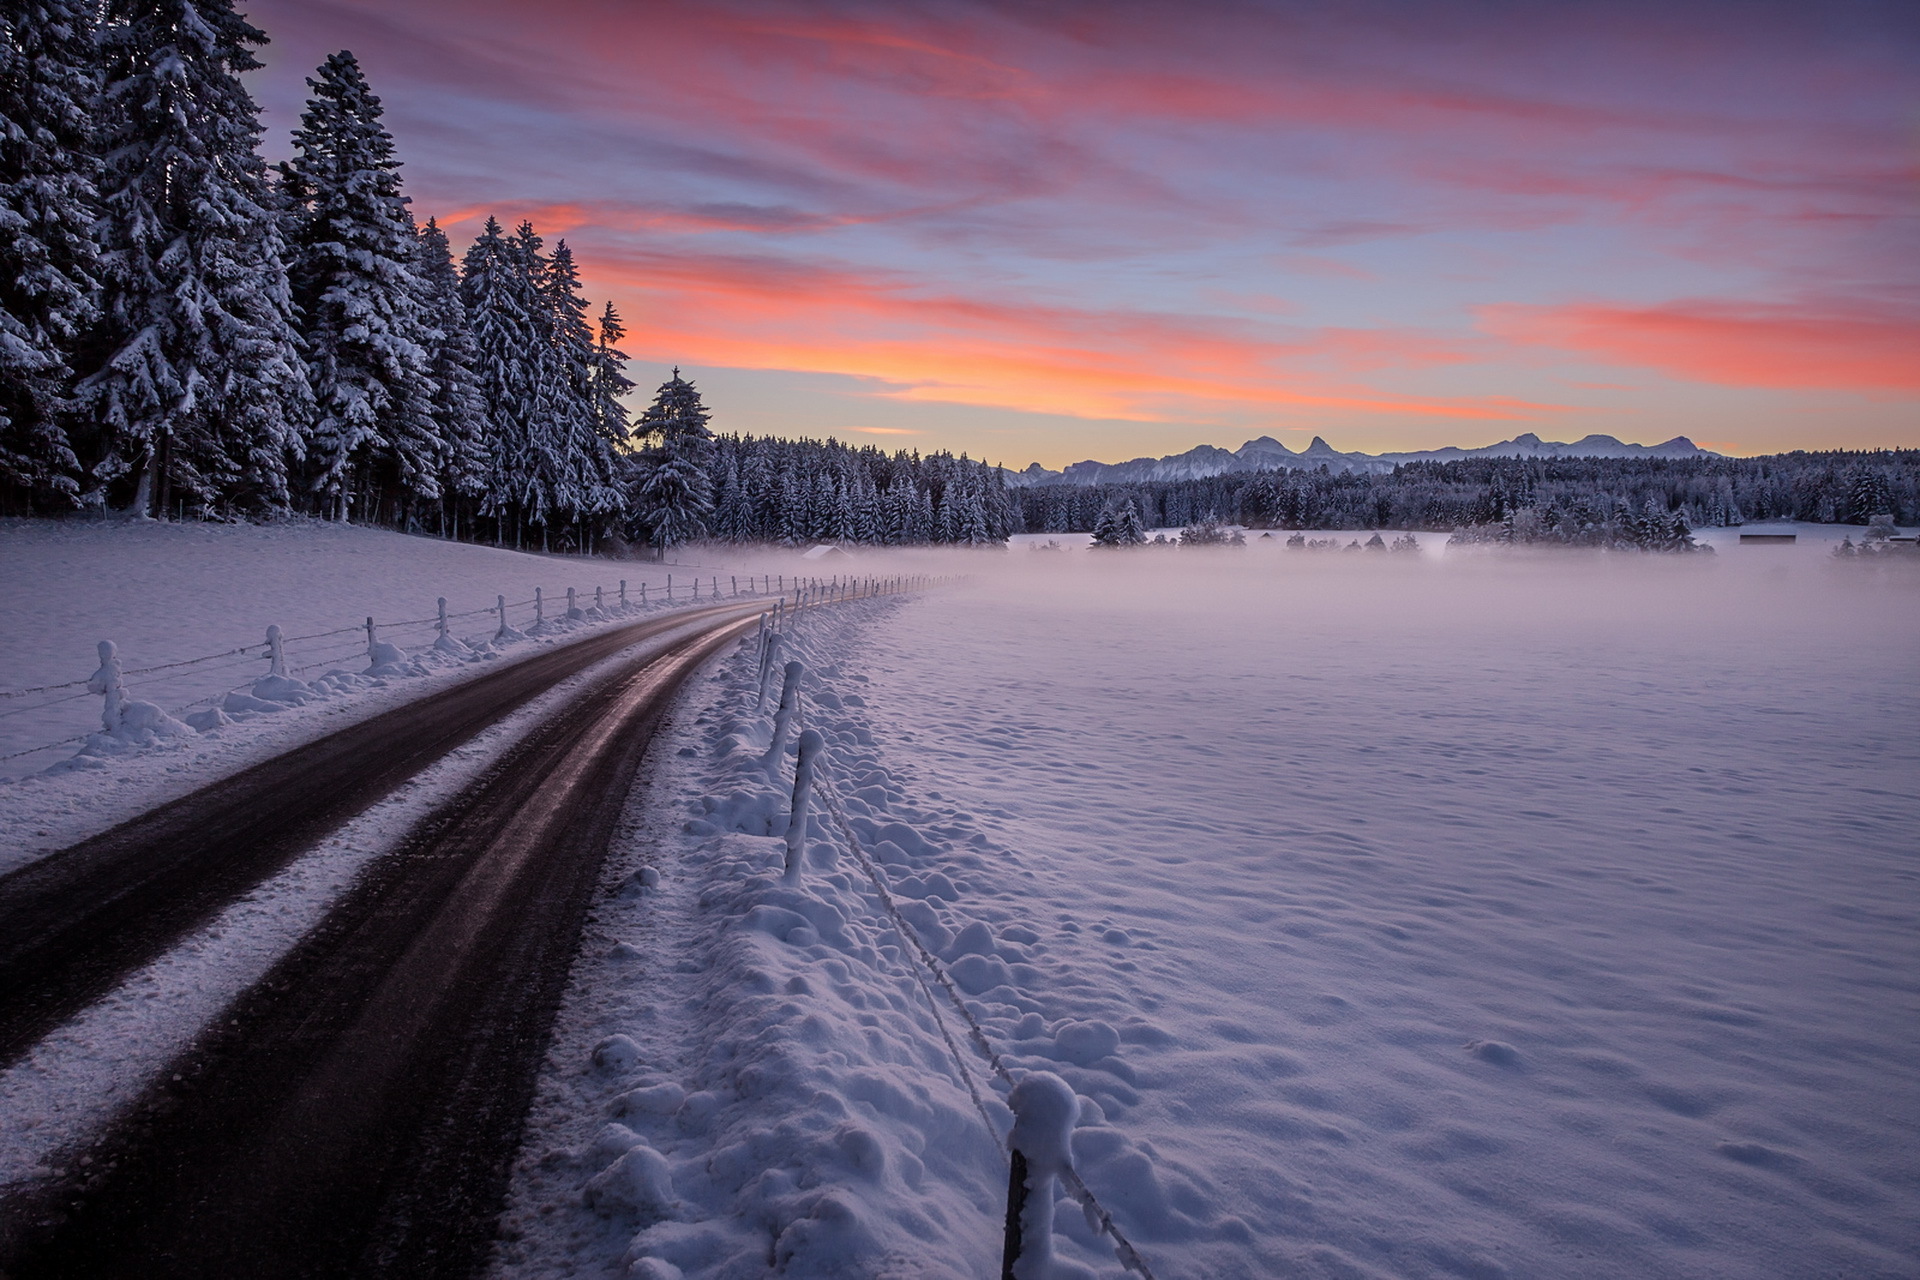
1268 454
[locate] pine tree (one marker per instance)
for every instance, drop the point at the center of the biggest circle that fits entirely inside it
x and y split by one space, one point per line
548 483
202 391
790 515
1119 525
760 494
588 487
610 381
49 275
673 495
732 518
459 404
503 309
1869 495
354 278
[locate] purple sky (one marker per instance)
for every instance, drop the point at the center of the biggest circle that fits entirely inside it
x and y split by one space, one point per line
1056 231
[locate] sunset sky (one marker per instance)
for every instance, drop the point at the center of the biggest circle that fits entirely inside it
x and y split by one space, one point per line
1047 232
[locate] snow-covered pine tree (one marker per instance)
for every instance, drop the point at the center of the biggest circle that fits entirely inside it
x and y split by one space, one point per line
970 524
375 444
503 309
1103 525
868 527
758 490
1119 525
48 271
790 515
202 390
673 495
732 519
589 490
459 404
896 512
610 380
820 509
546 483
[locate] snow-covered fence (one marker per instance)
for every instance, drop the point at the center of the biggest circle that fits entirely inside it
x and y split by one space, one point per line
1045 1107
37 714
388 647
1039 1151
803 769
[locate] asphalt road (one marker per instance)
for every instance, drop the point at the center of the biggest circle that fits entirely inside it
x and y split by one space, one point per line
74 924
356 1112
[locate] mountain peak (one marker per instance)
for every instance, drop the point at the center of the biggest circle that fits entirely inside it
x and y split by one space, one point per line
1264 453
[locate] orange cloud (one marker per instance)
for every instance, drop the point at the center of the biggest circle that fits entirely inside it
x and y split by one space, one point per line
911 344
1835 346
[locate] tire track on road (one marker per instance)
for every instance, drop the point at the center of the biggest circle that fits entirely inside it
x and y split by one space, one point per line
357 1111
76 923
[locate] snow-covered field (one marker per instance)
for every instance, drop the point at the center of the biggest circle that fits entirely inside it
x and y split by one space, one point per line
1488 915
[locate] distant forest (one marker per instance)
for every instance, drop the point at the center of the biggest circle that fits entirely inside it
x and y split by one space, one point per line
1830 487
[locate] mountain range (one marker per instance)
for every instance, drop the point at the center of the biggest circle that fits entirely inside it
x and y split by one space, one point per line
1268 454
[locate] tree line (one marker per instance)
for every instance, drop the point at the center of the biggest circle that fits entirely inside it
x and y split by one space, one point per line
188 332
803 491
1586 500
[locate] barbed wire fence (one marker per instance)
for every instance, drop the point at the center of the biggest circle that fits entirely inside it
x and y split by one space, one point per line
51 709
814 780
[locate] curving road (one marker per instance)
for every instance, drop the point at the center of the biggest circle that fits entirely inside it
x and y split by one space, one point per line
356 1111
76 923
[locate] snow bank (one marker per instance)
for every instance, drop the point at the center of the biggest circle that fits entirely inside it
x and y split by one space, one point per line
751 1075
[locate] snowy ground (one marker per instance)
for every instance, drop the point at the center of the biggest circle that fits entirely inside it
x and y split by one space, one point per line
1481 914
1492 915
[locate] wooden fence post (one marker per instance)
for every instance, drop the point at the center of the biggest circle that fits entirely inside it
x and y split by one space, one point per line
810 744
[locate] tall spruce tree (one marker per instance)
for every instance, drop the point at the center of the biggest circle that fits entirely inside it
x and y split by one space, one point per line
504 310
588 487
375 440
459 404
200 387
610 381
673 495
48 271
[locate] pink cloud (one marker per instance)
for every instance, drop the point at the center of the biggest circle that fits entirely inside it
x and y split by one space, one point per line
1837 345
